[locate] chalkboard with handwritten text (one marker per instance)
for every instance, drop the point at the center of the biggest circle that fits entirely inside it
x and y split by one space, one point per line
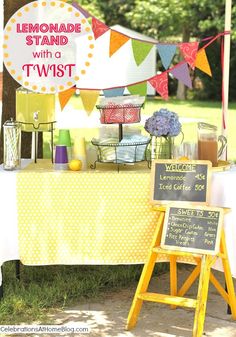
192 229
180 181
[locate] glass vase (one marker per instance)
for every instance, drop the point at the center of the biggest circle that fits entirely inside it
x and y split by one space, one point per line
162 147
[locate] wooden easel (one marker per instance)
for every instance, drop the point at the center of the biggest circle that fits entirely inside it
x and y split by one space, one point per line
202 269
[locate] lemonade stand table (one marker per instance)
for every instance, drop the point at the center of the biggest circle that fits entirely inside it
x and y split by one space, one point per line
89 217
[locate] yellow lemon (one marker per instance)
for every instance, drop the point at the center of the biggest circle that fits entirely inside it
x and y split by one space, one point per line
75 165
184 158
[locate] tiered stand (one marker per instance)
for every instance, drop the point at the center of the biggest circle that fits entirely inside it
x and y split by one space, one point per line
121 116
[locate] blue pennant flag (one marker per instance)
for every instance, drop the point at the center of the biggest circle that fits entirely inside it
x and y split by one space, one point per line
114 92
166 52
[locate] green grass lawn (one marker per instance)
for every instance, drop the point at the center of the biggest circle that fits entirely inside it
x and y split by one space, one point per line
49 288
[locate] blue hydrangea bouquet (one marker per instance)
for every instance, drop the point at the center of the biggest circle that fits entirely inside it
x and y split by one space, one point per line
163 126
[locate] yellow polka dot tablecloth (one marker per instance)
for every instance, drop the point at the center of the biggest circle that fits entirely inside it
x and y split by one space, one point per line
88 217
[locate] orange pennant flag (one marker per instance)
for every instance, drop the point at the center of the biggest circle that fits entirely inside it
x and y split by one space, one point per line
202 62
89 99
64 96
117 40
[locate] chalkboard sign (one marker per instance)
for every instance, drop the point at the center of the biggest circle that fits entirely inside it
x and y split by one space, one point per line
177 180
192 229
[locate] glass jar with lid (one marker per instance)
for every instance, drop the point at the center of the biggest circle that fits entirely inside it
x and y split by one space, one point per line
12 145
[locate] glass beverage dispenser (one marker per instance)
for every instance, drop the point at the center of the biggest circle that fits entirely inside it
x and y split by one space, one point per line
34 110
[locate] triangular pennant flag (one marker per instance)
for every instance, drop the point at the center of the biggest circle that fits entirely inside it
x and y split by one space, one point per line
64 96
160 83
166 52
113 92
189 52
117 40
202 62
138 89
98 27
85 13
140 50
89 99
181 72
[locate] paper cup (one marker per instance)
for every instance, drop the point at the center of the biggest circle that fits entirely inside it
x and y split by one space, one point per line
79 148
61 154
64 137
79 151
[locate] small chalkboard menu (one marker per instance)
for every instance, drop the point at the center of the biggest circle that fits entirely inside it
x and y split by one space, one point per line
178 180
195 229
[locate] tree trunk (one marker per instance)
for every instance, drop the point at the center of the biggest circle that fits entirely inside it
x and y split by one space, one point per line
181 89
9 88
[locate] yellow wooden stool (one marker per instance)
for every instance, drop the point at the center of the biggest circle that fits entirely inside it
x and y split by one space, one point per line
202 269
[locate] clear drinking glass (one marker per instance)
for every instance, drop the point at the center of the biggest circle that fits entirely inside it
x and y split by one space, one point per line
186 150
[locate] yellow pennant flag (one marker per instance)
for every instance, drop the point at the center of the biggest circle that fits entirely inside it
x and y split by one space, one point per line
202 62
89 99
64 96
117 40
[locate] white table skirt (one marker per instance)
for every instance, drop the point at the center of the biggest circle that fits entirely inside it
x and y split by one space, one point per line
9 233
223 190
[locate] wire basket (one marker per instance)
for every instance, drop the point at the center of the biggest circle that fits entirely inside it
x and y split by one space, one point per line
120 114
119 153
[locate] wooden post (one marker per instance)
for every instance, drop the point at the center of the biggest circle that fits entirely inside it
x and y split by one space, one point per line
145 276
173 277
202 296
226 64
228 277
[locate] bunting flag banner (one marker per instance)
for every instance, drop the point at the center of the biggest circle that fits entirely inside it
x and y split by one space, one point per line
85 13
181 72
166 52
89 99
202 62
113 92
138 89
140 50
117 40
189 52
160 83
98 27
64 96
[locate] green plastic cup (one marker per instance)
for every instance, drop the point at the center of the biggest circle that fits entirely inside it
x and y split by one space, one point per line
64 137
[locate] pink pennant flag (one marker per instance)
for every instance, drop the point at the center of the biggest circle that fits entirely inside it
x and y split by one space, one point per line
189 52
181 72
160 83
98 27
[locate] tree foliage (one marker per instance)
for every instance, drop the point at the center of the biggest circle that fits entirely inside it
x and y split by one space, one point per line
174 20
114 11
91 6
168 18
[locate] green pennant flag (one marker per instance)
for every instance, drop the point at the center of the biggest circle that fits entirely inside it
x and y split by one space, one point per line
140 50
138 89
